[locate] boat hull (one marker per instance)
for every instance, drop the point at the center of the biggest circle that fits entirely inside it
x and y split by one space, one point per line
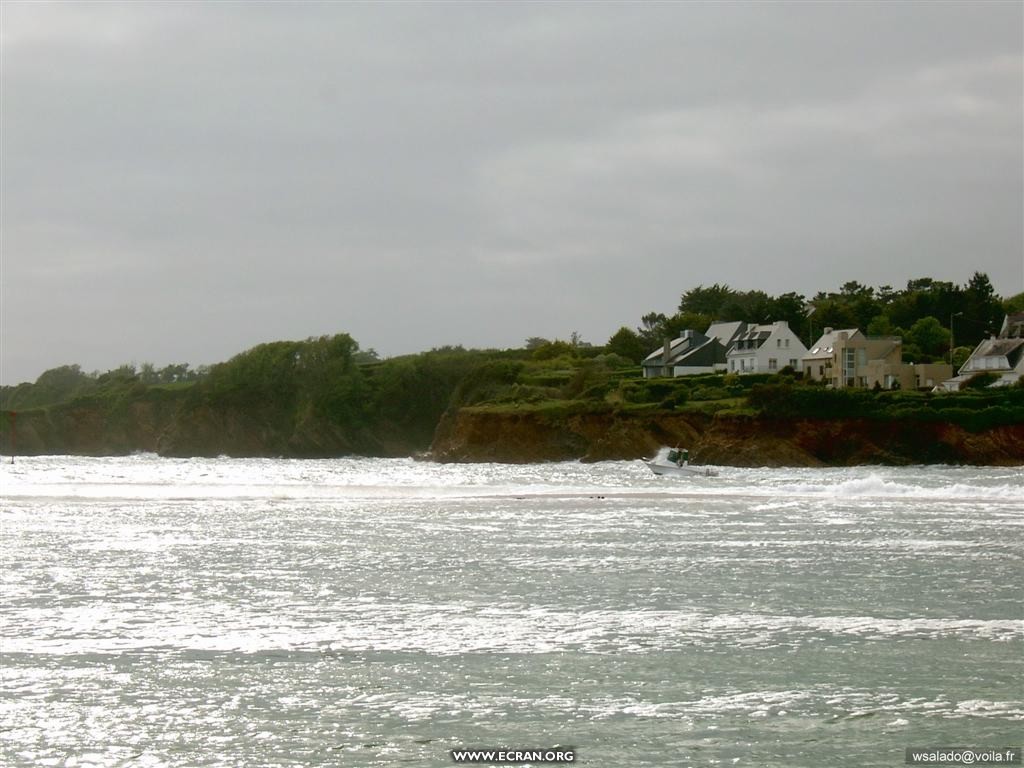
660 468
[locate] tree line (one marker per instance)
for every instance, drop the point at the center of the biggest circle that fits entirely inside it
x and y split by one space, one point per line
928 314
332 378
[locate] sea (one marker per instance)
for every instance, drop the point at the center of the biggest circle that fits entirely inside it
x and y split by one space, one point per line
371 612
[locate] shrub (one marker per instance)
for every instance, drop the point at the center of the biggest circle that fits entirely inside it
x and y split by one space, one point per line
486 381
980 380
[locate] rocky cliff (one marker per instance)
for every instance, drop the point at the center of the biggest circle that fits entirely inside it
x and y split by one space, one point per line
481 435
171 427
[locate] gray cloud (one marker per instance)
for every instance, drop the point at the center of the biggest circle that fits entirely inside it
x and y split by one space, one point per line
184 180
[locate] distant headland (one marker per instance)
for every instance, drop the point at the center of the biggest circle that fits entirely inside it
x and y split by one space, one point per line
739 378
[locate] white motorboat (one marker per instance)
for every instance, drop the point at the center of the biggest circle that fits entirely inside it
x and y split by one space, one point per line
673 461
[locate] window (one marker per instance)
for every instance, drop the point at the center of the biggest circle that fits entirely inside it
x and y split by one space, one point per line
778 343
773 364
793 363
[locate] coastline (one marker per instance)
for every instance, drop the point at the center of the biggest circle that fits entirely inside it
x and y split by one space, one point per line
520 436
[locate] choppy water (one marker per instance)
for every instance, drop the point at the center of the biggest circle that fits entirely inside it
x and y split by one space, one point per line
225 612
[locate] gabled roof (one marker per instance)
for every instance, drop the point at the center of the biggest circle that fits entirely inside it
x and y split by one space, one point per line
679 348
1013 326
998 349
725 331
751 339
883 345
824 346
689 357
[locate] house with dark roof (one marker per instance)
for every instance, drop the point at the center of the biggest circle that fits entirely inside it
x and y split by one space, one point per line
692 352
726 331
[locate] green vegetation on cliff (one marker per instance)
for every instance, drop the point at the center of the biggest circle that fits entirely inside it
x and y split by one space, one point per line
315 398
771 396
325 397
925 313
318 397
974 410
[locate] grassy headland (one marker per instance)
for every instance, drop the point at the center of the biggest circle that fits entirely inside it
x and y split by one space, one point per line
322 397
553 399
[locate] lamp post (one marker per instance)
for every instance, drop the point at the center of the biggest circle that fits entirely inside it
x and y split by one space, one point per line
951 316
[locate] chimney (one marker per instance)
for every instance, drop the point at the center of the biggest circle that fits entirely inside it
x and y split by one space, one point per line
827 330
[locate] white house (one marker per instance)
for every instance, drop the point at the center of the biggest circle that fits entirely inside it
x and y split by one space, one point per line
766 349
1002 355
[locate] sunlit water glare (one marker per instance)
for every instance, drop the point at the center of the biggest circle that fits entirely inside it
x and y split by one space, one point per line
360 612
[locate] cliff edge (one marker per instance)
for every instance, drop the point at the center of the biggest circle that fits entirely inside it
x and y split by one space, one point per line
472 435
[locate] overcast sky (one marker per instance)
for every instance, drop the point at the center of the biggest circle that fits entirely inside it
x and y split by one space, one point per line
182 181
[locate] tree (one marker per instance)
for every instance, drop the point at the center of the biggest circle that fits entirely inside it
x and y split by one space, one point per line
749 306
53 386
885 294
982 310
172 373
553 349
855 290
652 331
928 335
880 326
833 312
657 327
628 344
925 297
960 355
707 301
366 356
1014 305
790 307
